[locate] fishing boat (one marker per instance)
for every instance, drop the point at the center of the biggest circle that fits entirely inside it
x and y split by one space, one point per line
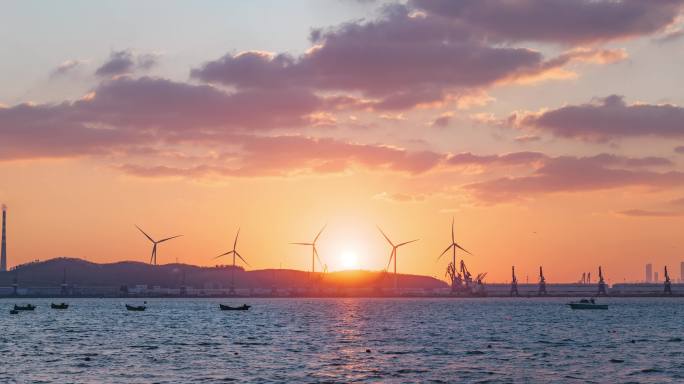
138 308
27 307
587 304
59 306
243 307
14 312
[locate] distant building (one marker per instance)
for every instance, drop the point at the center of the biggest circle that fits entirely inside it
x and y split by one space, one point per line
649 273
681 272
655 277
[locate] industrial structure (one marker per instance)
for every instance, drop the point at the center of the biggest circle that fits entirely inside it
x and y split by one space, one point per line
3 247
668 284
601 284
514 282
542 282
461 279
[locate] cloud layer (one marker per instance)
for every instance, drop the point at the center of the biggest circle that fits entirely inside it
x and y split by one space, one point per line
606 118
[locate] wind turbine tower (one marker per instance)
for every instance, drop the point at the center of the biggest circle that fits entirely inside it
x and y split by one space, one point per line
314 253
235 254
453 247
153 258
393 254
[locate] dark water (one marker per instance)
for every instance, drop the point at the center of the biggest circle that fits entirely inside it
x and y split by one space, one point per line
325 340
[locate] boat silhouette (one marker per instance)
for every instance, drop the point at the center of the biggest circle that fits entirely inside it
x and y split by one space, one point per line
27 307
243 307
587 304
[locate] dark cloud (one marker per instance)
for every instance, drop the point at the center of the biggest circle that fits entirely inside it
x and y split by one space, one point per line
679 149
126 111
557 21
442 120
119 62
579 174
607 118
125 62
400 60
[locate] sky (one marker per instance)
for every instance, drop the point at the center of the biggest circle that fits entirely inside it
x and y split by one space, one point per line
550 132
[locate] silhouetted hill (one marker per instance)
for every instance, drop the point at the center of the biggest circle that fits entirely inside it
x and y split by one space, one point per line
84 273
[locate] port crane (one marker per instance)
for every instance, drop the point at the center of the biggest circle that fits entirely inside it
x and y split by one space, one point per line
542 282
668 284
514 282
601 283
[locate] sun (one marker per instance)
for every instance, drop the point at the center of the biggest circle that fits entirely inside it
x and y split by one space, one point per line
349 260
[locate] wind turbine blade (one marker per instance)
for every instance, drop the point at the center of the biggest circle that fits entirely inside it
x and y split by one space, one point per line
236 238
453 238
445 251
241 258
407 242
168 238
385 236
309 244
463 249
223 254
319 234
154 252
146 235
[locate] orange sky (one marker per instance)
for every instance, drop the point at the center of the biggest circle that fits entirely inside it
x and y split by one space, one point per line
558 147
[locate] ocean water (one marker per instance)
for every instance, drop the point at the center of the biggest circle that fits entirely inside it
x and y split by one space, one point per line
344 340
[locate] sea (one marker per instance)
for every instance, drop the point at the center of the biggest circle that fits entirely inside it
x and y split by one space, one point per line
344 340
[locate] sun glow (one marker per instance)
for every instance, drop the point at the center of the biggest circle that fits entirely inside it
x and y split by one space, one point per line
349 260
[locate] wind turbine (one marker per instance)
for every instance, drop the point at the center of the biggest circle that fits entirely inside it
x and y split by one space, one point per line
393 254
235 253
314 252
153 258
453 247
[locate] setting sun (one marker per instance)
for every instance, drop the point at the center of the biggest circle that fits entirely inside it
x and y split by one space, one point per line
349 260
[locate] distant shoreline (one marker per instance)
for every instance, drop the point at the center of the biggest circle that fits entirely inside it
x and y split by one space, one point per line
455 297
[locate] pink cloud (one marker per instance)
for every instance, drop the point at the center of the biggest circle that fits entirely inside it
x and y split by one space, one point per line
579 174
399 61
558 21
605 119
126 111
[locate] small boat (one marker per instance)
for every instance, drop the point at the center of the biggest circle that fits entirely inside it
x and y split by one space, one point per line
14 312
587 304
59 306
27 307
138 308
243 307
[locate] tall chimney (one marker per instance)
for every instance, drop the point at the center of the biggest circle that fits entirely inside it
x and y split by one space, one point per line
3 250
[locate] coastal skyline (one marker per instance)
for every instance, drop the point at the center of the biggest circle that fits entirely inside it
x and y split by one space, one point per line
549 141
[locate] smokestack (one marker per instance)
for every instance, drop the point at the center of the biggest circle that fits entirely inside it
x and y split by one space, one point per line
3 249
